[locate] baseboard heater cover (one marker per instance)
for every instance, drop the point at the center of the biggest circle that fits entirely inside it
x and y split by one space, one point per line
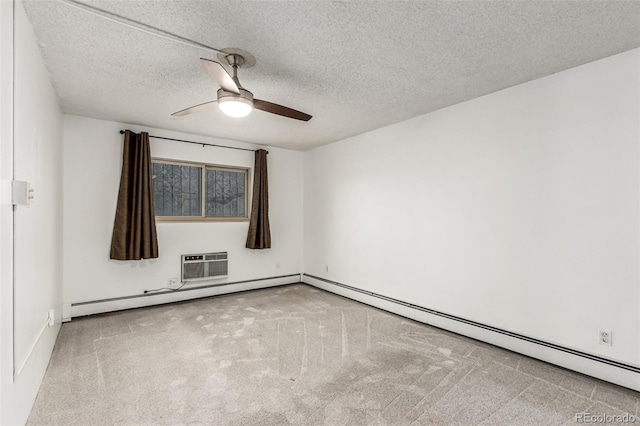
112 304
590 357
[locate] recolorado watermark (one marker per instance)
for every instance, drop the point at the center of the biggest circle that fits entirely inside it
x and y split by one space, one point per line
606 418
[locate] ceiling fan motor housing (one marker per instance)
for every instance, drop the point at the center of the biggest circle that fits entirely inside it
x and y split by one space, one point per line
245 96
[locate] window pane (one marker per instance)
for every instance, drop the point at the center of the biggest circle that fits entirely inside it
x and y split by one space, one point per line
176 190
225 193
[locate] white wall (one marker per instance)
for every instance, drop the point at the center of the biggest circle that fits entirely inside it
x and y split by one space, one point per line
33 284
93 159
519 209
6 210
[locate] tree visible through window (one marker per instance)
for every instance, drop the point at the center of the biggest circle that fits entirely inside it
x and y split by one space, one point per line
178 190
225 193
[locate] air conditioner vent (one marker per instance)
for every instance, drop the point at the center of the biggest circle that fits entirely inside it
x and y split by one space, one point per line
204 266
216 256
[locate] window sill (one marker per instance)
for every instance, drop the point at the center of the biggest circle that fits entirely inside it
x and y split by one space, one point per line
200 219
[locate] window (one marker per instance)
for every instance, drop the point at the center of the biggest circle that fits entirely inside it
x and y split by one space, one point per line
191 191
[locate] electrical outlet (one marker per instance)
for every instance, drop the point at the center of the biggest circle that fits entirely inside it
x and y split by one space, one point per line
326 268
605 337
51 318
277 265
172 283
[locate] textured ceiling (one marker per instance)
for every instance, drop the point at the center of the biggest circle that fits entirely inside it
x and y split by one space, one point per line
355 66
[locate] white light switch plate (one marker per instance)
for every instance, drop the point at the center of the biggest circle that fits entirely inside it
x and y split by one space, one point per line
21 193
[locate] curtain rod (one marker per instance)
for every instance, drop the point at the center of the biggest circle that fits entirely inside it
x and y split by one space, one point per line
199 143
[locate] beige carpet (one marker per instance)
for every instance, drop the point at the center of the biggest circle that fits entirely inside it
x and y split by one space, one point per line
298 355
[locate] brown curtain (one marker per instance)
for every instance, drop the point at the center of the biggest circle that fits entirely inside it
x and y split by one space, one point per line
259 236
134 229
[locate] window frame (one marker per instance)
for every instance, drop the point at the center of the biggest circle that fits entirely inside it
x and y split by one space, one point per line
203 199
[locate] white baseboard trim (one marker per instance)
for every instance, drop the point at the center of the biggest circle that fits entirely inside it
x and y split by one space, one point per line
611 371
80 309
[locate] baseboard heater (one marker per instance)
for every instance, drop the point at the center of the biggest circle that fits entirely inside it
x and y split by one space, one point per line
613 363
204 266
191 292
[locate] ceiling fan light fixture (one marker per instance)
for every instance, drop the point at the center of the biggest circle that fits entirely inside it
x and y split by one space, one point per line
235 105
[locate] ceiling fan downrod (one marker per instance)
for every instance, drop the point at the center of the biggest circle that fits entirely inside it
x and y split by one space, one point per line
236 61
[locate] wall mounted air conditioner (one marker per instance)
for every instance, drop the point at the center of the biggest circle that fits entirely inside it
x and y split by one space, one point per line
204 266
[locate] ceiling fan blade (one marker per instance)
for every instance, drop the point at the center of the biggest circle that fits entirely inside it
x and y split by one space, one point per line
280 110
220 75
196 108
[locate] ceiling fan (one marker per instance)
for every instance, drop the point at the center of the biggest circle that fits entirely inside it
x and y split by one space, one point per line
233 99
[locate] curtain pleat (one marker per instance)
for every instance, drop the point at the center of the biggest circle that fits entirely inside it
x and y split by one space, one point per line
259 236
134 229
